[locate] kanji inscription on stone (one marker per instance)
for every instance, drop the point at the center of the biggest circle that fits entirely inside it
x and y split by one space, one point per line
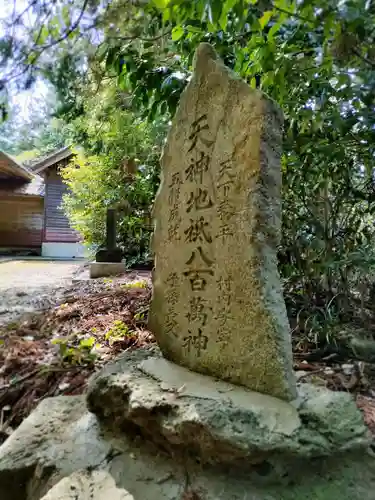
217 219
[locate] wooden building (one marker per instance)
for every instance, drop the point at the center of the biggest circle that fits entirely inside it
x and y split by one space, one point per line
21 206
30 207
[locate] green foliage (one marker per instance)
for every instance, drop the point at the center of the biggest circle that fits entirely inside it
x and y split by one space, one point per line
135 284
316 59
117 332
30 131
76 351
123 173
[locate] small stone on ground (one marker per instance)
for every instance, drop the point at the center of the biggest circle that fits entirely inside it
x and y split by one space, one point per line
87 485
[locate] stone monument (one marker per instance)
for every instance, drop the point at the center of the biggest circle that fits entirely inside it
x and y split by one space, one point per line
217 305
108 259
110 252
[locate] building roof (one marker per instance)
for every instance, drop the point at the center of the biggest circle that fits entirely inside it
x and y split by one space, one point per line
52 159
11 167
33 184
35 187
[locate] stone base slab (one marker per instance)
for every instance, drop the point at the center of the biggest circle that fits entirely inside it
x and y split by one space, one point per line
61 449
87 485
218 422
63 250
57 439
105 269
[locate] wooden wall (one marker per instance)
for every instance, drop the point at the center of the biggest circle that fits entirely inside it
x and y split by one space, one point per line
56 226
21 221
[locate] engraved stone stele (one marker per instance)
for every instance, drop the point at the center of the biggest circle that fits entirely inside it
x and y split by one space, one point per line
217 305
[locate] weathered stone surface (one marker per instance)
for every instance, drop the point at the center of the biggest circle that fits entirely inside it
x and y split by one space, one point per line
62 437
161 478
87 485
217 306
103 269
219 422
58 438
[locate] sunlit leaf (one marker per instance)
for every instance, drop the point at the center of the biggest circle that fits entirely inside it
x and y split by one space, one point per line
264 20
65 12
87 342
177 33
160 4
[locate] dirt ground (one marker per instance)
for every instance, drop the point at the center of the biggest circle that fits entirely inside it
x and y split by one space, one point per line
29 285
83 324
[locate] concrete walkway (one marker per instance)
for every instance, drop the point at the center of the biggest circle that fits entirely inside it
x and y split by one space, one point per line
28 284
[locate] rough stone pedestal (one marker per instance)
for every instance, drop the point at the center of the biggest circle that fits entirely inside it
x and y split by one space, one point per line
105 269
218 422
62 439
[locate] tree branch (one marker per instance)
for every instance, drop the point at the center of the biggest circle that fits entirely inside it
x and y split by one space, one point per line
39 50
31 4
363 58
73 27
143 39
292 14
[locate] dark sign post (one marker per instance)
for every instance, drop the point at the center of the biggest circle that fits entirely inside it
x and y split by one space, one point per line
110 253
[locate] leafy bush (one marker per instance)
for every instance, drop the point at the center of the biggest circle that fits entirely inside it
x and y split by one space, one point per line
123 174
76 351
117 332
314 58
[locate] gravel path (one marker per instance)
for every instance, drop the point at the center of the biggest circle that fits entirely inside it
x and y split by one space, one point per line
29 285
